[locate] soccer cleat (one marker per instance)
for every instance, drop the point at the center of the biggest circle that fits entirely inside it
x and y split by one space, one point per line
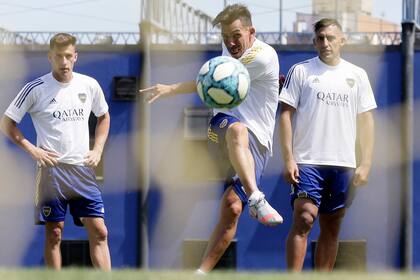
261 210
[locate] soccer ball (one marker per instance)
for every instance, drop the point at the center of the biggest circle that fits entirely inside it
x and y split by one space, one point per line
223 82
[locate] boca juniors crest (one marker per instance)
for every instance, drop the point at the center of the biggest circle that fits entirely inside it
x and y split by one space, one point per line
46 210
82 97
350 82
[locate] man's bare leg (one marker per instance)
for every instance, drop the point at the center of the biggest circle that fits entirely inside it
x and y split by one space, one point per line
98 242
327 247
52 251
230 210
240 156
304 215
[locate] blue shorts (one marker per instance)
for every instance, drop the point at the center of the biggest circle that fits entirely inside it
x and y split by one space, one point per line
218 148
63 185
329 187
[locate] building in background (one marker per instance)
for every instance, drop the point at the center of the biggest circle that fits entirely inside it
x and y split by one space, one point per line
354 16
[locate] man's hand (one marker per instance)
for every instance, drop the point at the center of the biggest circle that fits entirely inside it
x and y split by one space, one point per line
361 175
291 172
44 157
92 158
156 91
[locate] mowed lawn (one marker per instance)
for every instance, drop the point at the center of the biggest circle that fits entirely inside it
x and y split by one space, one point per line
128 274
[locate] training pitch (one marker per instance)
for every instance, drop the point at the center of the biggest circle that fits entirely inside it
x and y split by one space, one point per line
127 274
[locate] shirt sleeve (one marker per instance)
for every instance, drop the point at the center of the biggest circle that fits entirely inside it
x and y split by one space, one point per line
23 102
255 60
292 87
366 97
99 105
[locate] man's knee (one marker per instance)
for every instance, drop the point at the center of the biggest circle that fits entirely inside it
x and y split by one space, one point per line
54 235
304 222
101 233
232 209
236 132
235 209
96 228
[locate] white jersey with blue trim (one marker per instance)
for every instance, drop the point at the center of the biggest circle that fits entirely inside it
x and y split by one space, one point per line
258 111
327 100
60 113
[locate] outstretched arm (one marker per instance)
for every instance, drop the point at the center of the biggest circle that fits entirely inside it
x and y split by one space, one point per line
101 134
366 137
291 171
10 129
161 90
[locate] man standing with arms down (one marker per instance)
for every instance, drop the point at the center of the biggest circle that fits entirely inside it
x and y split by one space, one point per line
60 104
326 103
242 135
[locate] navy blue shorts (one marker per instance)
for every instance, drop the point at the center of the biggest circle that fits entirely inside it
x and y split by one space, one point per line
63 185
218 148
329 187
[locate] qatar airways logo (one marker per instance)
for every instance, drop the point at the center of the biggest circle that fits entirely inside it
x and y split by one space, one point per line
70 115
333 98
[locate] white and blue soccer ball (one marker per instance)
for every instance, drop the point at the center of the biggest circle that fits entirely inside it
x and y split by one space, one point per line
223 82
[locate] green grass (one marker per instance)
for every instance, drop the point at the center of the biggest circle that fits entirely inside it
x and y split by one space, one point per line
88 274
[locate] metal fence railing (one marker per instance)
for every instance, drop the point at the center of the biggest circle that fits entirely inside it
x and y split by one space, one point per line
189 38
83 38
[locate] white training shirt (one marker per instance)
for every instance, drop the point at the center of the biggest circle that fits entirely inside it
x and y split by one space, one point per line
60 113
258 111
327 100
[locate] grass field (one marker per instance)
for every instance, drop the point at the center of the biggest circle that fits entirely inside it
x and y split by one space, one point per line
85 274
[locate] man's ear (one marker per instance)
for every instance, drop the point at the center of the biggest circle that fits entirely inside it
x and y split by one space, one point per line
342 41
252 30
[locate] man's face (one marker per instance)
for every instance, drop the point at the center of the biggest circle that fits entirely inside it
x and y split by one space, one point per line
328 42
62 61
237 37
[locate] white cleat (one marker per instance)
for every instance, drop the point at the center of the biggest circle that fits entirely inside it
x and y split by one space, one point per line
261 210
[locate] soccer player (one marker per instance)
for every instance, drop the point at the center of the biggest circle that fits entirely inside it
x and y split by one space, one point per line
330 101
60 103
243 135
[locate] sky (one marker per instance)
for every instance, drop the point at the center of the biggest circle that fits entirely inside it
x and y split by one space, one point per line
124 15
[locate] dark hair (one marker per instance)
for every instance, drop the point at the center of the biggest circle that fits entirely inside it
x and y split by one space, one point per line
325 22
232 13
62 40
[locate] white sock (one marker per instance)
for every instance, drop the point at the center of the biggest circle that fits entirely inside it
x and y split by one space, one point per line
200 272
255 196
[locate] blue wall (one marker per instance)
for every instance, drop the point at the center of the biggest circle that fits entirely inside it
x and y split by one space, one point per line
183 199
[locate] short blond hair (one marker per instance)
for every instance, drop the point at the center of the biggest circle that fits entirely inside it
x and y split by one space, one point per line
62 40
232 13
